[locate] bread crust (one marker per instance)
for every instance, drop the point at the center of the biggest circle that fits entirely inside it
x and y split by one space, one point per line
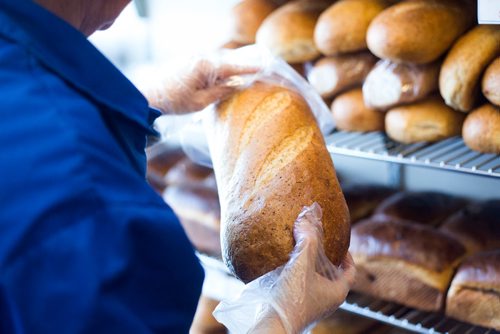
270 161
246 18
459 79
418 31
491 82
481 130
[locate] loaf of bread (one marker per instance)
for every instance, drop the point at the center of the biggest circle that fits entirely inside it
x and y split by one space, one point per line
198 209
186 171
332 75
363 199
419 31
474 294
481 130
270 161
491 82
459 80
477 226
204 322
425 207
289 31
429 120
246 18
342 27
390 84
411 264
351 114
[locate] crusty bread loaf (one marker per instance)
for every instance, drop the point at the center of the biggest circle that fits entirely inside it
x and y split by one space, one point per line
425 207
204 322
351 114
246 18
477 226
491 82
342 27
332 75
459 80
407 263
289 31
198 209
481 130
390 84
418 31
270 161
474 294
429 120
363 199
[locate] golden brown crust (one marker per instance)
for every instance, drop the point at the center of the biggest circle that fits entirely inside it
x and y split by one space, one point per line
246 18
429 208
270 160
429 120
481 130
476 226
332 75
363 199
418 31
288 31
474 294
342 27
413 244
351 114
459 80
204 322
491 82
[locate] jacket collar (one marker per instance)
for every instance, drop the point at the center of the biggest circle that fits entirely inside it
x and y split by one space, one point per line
69 54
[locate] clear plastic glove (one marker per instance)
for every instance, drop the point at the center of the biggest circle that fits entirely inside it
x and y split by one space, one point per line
292 298
197 86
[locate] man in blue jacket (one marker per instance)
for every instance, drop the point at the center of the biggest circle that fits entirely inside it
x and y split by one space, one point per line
86 246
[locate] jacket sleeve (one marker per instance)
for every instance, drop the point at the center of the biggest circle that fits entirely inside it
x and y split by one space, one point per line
126 269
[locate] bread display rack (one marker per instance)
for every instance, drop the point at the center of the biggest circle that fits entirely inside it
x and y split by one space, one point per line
451 154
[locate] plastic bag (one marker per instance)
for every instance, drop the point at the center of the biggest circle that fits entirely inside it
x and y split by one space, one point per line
303 291
189 131
390 84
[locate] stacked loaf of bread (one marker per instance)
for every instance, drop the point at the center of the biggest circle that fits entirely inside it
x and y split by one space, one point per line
416 69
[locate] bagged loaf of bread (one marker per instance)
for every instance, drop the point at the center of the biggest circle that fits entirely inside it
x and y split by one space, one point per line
419 31
390 84
270 161
332 75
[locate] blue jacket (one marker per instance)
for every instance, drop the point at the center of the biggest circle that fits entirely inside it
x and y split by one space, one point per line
86 246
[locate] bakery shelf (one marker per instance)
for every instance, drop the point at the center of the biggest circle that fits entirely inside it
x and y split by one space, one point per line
449 154
220 284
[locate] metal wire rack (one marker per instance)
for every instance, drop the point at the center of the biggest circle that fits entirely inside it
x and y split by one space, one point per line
220 284
450 154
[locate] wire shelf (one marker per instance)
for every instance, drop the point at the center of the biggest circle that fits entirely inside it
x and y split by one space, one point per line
450 154
220 284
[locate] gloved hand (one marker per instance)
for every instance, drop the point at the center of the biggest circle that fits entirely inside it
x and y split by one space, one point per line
291 298
196 86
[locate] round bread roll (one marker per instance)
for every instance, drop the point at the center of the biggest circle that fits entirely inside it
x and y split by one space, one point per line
246 18
481 131
430 120
342 27
418 31
288 32
491 82
464 65
332 75
351 114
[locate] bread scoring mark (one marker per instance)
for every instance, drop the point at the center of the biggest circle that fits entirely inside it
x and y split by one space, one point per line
283 154
265 111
